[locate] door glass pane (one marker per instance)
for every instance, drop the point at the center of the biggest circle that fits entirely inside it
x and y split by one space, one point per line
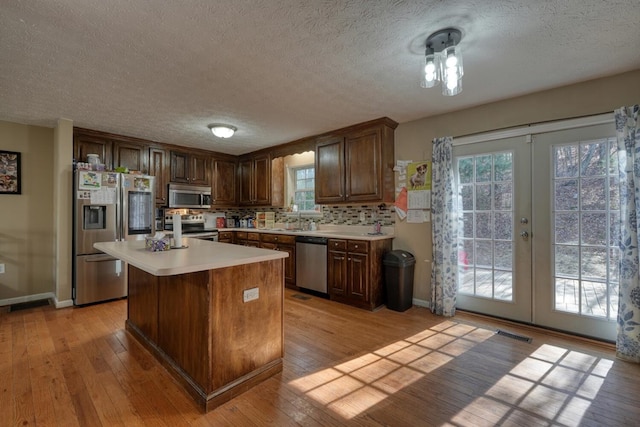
586 219
486 252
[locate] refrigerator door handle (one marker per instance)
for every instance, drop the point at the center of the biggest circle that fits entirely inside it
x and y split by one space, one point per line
100 258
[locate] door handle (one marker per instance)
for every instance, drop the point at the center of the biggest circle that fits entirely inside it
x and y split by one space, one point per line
100 258
524 235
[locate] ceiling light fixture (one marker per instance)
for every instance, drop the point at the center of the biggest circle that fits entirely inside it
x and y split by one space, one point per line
443 61
222 131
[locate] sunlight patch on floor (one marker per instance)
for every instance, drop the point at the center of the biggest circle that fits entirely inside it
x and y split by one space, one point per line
351 388
551 385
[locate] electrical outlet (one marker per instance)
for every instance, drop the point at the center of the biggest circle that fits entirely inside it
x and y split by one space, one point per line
363 217
250 294
1 268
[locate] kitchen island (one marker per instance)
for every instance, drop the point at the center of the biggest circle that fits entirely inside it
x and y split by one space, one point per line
212 313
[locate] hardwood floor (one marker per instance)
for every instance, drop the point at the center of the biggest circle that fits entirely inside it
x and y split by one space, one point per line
343 366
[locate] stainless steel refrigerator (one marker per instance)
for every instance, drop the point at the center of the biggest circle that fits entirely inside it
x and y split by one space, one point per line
108 207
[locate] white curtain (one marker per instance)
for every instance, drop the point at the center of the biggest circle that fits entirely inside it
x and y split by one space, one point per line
444 229
628 339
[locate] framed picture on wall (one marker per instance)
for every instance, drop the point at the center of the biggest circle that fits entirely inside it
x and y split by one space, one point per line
9 172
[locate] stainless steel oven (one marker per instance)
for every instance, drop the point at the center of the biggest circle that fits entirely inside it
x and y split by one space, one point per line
206 235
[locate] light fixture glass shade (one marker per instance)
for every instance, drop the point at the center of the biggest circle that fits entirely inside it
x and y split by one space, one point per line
223 131
430 70
452 71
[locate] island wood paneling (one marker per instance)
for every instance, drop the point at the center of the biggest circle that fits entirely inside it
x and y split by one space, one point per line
252 332
143 302
183 322
215 344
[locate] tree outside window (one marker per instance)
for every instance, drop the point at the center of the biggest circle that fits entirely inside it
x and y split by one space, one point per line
304 191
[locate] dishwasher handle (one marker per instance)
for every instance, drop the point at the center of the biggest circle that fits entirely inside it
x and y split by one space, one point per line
314 240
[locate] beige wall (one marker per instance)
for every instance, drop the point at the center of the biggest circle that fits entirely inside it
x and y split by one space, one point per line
26 220
413 139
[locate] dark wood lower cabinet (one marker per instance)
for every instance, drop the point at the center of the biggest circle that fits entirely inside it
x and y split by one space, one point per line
354 272
284 243
198 326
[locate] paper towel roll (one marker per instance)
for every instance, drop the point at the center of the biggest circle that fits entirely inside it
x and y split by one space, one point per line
177 231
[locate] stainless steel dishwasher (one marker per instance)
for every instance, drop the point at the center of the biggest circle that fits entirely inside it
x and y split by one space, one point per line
311 263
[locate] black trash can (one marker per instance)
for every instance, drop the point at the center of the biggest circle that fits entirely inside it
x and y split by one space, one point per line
398 274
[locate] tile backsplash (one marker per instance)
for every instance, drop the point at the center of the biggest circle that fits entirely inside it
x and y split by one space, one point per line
335 215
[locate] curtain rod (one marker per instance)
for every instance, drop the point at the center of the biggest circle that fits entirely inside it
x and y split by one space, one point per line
537 127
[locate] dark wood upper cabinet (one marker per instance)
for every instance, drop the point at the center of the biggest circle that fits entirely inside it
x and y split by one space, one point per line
329 170
134 157
189 168
356 165
363 168
223 182
255 181
159 167
353 164
90 144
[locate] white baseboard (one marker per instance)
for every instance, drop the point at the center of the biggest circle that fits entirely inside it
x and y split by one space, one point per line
63 304
26 298
37 297
421 303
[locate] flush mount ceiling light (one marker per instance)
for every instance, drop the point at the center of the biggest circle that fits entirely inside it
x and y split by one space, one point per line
222 131
443 61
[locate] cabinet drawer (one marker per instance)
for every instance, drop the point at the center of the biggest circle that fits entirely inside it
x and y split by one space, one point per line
278 238
227 235
253 236
358 246
241 235
271 246
337 245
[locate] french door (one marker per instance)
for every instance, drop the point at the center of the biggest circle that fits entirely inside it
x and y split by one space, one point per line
494 256
577 210
538 230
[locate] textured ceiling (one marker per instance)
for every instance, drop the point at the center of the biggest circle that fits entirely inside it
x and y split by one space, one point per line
281 70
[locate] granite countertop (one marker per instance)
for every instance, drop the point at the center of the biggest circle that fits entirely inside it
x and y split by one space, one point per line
200 255
335 232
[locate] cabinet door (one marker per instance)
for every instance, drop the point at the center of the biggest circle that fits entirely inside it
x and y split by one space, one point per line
132 156
358 280
329 170
289 263
337 273
246 174
262 180
179 167
158 167
363 174
199 169
83 145
223 182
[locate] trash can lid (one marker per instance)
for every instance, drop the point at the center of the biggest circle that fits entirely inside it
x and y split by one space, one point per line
398 257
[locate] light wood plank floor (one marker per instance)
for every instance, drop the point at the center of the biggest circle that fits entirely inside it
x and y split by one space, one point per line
343 366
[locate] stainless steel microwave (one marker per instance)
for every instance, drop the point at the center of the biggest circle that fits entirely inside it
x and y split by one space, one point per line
189 196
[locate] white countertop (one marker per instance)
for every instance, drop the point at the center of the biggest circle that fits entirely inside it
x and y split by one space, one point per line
198 256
